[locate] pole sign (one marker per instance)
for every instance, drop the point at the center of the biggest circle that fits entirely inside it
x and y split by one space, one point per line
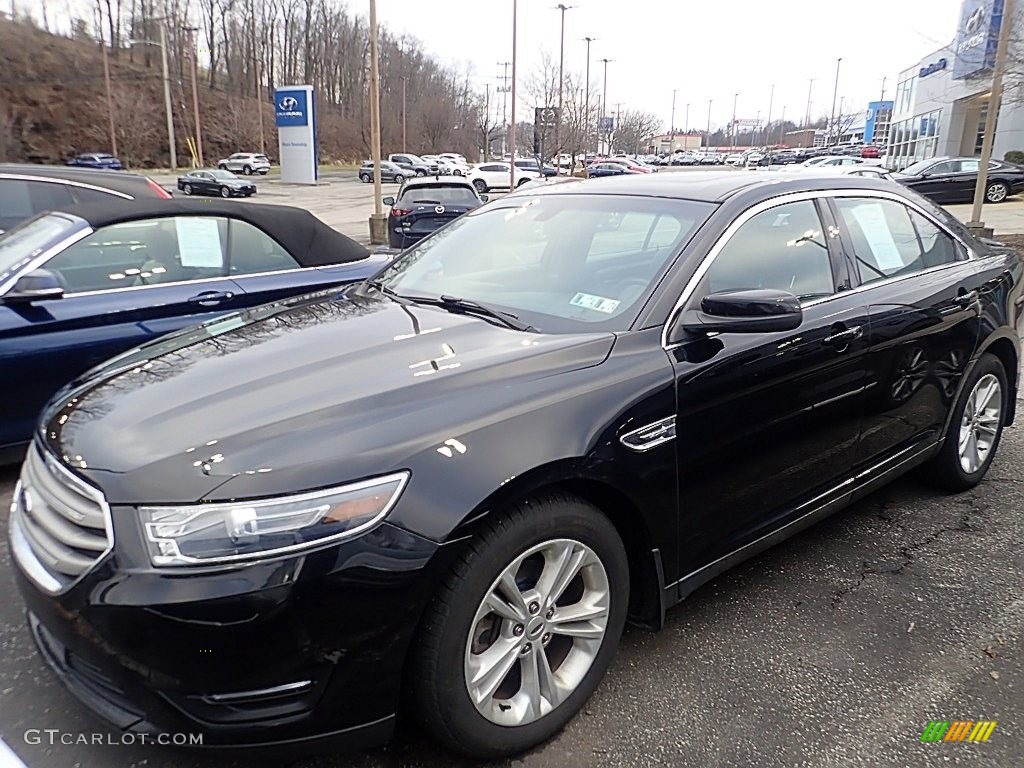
546 117
977 37
296 133
606 124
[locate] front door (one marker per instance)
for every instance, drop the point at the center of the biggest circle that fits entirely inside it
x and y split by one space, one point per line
768 422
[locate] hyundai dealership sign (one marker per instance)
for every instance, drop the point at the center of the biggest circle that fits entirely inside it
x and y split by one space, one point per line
296 133
977 37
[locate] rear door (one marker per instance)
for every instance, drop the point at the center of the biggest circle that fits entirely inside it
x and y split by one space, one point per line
124 285
922 288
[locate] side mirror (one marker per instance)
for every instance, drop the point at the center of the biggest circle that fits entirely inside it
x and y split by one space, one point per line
484 198
38 285
755 311
389 200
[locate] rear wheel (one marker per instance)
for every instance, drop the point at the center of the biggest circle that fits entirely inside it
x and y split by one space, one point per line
365 178
225 192
420 172
187 189
975 428
996 192
481 185
523 628
223 166
457 172
399 178
247 170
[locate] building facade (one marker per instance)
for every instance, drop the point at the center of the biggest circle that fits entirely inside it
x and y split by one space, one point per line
942 102
876 124
679 142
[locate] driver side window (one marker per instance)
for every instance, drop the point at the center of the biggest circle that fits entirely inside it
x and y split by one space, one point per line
782 248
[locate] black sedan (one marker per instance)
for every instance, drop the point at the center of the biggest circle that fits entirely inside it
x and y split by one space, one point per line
213 181
597 170
953 179
450 486
425 205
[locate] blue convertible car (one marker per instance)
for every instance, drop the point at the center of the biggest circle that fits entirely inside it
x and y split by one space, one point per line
81 285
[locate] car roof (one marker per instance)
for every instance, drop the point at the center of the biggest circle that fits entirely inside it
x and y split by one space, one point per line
712 186
433 181
120 181
308 239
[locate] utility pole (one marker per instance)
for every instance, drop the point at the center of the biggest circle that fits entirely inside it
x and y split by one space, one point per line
810 85
504 103
587 123
768 122
709 124
405 82
195 91
512 127
259 101
994 105
604 99
672 124
378 223
487 123
561 84
735 98
110 98
686 127
167 98
835 92
611 135
782 123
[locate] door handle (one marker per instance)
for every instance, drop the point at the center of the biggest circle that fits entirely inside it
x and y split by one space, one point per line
211 298
843 338
966 298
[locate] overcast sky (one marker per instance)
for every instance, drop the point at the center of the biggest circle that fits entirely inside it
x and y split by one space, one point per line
707 50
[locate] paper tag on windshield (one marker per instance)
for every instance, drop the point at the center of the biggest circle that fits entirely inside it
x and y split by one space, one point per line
199 242
596 303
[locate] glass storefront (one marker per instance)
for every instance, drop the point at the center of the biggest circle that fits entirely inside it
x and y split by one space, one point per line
912 140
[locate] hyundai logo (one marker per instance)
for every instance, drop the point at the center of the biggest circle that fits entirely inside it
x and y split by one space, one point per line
439 209
288 104
975 20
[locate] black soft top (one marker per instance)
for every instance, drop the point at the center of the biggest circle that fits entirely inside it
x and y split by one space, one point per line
309 240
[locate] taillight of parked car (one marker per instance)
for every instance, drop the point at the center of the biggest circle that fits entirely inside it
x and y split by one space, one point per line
160 191
400 211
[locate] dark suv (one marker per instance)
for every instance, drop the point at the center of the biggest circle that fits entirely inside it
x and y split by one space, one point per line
26 190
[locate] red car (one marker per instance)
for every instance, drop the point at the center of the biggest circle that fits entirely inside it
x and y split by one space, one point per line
869 151
630 163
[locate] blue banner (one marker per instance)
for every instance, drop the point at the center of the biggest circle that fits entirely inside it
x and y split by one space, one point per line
977 37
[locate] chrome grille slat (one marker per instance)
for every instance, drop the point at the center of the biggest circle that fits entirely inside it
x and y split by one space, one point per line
63 523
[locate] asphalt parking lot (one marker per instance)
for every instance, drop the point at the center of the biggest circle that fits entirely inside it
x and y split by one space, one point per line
835 648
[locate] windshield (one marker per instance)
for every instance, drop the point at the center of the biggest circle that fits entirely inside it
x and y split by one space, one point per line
22 244
919 167
562 263
455 194
222 175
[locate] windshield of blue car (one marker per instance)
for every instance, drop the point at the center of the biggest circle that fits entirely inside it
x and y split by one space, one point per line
562 263
447 194
20 245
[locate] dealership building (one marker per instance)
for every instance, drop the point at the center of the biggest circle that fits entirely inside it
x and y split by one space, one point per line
942 102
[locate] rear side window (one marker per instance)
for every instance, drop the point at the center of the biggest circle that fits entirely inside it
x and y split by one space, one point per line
21 199
254 251
890 239
147 252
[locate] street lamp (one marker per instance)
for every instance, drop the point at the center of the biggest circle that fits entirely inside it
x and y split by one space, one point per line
604 98
672 124
835 92
709 124
586 100
378 222
512 128
561 84
735 98
162 45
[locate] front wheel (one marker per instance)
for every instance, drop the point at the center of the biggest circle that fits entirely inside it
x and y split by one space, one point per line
974 429
247 170
523 628
399 178
996 192
187 189
223 166
457 172
481 185
365 178
225 192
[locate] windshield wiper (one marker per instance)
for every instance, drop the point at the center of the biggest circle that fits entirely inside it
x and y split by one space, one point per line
380 286
457 304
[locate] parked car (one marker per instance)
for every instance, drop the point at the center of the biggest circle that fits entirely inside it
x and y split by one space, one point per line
864 170
596 170
99 160
454 157
213 181
415 165
830 161
631 163
530 164
784 157
247 163
450 485
450 167
388 172
870 151
953 179
26 190
710 158
425 205
736 158
488 176
85 283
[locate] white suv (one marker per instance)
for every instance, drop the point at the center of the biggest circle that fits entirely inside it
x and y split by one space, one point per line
246 162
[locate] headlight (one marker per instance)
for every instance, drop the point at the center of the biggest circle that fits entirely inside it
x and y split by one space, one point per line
207 534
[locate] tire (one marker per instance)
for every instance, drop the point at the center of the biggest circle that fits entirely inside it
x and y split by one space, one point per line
399 178
364 178
521 182
947 469
421 172
225 192
481 186
187 189
453 626
247 170
457 172
222 166
996 192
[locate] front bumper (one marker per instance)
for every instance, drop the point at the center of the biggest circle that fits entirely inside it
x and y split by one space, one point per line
289 651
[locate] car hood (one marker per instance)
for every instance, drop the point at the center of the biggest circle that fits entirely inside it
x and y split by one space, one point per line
361 381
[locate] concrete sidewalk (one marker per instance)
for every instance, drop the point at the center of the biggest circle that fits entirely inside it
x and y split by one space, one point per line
1005 218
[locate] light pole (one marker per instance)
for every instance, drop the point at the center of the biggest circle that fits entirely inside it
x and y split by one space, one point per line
512 127
686 126
768 122
782 123
604 97
810 85
586 101
735 98
195 92
167 90
709 125
504 104
835 92
405 81
378 222
561 84
672 124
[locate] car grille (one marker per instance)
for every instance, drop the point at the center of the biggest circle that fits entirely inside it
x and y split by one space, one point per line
59 524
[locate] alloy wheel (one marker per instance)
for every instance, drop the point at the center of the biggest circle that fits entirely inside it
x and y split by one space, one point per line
979 425
996 193
187 189
537 632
